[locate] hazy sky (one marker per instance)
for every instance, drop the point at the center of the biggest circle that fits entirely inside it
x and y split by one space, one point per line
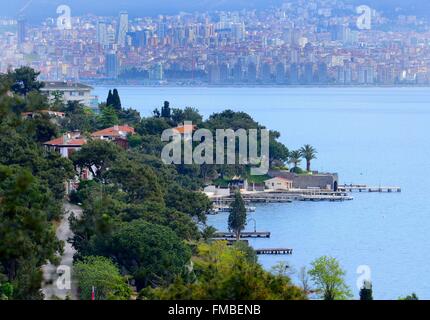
36 9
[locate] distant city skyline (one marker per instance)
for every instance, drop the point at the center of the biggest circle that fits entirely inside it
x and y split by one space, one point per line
296 43
38 10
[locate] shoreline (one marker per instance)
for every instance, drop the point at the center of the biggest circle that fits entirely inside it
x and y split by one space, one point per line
119 85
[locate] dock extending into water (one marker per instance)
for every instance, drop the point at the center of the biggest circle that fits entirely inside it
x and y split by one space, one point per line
230 235
365 188
324 198
290 196
273 251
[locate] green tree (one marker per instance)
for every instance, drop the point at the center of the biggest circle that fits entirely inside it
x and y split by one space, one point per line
412 296
165 110
130 117
277 151
193 203
137 179
295 158
153 126
366 291
328 278
27 238
109 100
6 291
20 149
108 117
221 272
151 253
44 129
97 156
116 100
237 217
78 117
309 153
187 114
24 80
104 276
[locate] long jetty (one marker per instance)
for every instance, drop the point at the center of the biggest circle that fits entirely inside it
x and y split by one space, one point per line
274 251
290 196
229 235
365 188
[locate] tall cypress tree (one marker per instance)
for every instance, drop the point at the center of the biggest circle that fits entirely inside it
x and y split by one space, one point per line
109 99
165 110
116 101
237 217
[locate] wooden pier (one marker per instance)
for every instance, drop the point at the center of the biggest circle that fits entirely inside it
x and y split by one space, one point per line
324 198
365 188
274 251
230 235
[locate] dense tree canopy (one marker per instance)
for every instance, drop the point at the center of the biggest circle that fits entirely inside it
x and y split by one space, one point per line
27 238
152 253
24 80
141 218
219 272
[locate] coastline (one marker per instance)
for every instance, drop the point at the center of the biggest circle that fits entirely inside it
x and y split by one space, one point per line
238 86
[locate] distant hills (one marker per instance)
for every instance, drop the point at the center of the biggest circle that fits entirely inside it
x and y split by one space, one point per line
39 9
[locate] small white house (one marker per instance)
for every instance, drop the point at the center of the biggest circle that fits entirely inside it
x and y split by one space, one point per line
278 183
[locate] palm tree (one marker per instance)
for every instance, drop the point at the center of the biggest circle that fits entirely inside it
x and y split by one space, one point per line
295 158
309 153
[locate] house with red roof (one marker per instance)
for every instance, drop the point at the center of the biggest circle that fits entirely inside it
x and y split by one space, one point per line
67 144
117 134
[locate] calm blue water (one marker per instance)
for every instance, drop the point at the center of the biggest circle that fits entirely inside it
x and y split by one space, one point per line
368 135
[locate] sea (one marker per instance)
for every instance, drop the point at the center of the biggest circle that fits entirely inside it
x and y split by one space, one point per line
378 136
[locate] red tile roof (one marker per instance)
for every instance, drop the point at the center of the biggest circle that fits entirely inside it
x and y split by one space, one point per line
71 142
115 131
185 128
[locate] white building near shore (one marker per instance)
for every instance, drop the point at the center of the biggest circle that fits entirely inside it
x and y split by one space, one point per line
70 92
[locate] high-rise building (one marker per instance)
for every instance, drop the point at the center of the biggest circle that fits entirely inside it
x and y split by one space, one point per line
102 35
22 30
112 65
110 34
122 28
238 31
162 29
